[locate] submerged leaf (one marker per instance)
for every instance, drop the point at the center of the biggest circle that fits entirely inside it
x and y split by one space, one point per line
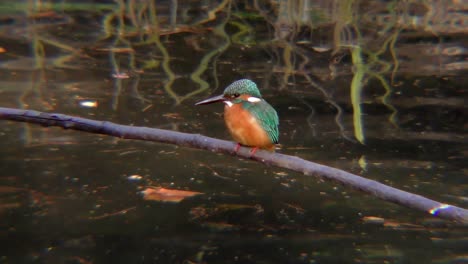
166 195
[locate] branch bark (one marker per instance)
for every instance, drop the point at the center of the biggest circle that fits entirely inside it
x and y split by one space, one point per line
308 168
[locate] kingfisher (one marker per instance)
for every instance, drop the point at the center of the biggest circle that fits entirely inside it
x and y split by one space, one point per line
251 121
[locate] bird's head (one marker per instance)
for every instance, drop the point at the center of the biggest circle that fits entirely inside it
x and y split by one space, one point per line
241 90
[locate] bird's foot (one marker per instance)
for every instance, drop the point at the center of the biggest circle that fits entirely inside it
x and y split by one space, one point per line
237 147
253 151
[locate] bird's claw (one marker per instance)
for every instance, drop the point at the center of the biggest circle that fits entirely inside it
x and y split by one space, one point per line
237 147
253 151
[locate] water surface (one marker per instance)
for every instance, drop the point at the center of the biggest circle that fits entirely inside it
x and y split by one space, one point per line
376 88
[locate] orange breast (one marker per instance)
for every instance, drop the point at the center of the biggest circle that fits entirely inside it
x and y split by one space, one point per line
245 129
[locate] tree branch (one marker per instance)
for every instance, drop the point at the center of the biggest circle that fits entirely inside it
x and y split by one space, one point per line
308 168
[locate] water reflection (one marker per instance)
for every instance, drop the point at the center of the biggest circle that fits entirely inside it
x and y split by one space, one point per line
374 87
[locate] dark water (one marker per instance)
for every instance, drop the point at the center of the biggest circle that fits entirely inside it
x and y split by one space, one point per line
374 88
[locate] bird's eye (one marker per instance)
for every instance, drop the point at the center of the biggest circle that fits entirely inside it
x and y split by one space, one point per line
236 95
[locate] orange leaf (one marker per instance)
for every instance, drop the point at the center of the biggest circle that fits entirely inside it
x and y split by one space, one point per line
373 220
166 195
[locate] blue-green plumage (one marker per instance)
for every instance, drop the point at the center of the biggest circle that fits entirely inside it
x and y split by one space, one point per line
244 102
266 116
243 86
261 110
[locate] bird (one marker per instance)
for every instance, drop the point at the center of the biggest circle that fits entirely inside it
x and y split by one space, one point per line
251 121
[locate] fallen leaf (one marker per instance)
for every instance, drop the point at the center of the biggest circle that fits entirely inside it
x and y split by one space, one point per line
373 220
120 75
173 116
402 226
166 195
219 226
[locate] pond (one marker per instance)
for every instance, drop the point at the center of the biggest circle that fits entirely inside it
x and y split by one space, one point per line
376 88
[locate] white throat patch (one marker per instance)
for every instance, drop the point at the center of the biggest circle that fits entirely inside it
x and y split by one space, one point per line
228 103
253 99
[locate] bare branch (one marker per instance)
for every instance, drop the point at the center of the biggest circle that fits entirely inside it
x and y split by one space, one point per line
308 168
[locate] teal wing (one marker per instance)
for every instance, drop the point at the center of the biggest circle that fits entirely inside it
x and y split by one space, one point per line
267 117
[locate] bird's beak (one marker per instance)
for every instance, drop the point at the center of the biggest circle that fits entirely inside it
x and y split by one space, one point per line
214 99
